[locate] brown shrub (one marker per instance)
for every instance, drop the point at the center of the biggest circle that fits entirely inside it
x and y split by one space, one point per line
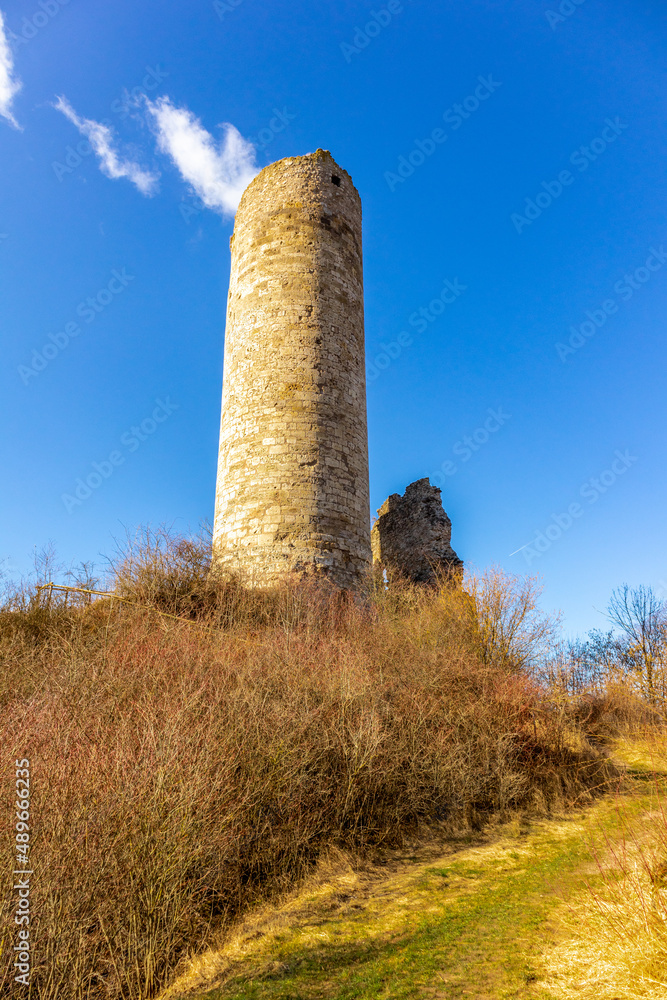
181 772
618 710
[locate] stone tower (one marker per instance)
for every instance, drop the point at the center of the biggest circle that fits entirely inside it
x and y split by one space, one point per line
292 491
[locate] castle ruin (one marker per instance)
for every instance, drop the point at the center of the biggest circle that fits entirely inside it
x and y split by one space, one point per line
292 491
412 536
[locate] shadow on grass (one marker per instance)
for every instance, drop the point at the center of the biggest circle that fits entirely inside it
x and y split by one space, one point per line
398 966
487 934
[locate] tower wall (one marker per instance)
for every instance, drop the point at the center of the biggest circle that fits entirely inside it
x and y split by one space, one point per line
292 491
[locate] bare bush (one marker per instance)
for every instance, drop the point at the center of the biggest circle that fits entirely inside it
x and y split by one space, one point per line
183 772
507 625
624 669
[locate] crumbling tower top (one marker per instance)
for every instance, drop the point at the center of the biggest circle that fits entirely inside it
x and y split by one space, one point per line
412 535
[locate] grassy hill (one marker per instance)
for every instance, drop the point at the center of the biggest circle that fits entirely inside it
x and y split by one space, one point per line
198 750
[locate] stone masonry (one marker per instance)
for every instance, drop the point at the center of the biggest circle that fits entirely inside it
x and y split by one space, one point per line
412 535
292 490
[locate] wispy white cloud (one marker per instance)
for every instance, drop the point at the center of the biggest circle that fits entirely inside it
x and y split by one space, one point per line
9 84
217 173
101 139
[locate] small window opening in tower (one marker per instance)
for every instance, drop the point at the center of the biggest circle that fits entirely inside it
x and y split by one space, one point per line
335 180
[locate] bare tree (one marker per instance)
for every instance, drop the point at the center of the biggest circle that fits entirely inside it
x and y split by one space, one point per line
576 666
46 567
642 619
510 628
83 575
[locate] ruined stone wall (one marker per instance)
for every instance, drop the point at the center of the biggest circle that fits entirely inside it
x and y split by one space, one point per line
292 490
412 535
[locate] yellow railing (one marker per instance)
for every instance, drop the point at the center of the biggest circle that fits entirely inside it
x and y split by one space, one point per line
61 588
50 587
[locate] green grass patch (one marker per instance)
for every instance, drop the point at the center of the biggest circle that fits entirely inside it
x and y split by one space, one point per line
474 925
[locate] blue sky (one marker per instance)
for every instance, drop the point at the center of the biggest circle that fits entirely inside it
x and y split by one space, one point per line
515 150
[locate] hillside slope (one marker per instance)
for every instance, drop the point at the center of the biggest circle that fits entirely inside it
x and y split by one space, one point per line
498 917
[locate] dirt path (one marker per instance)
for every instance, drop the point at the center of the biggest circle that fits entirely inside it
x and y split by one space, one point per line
451 921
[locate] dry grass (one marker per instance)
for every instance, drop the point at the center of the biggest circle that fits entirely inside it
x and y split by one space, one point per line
645 751
443 917
617 930
182 774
